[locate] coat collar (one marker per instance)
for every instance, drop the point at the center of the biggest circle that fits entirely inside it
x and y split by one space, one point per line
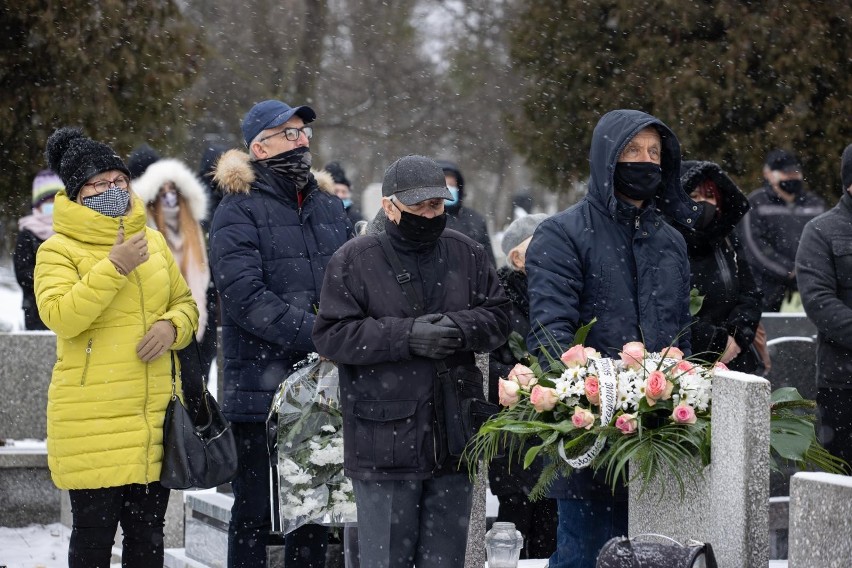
80 223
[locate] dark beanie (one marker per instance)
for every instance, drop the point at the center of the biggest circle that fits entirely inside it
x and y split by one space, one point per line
337 173
846 168
139 160
77 158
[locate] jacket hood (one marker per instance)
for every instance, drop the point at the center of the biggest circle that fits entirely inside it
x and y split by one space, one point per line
80 223
453 168
234 174
733 202
190 187
612 133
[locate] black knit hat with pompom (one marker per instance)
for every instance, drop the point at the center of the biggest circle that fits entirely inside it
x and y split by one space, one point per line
77 158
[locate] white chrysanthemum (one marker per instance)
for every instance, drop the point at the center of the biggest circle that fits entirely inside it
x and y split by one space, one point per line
695 390
630 390
331 453
329 428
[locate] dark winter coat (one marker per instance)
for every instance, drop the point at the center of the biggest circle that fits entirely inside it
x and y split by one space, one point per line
605 259
824 272
770 234
464 219
721 274
364 324
503 478
24 262
269 256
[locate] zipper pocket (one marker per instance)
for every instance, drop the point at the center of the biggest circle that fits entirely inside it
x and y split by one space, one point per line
86 365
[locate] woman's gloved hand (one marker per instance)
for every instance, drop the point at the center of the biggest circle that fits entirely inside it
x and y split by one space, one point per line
157 341
127 255
434 336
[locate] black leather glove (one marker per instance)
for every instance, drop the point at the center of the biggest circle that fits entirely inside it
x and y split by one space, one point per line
434 336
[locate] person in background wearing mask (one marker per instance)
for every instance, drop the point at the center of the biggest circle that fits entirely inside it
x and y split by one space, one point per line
343 190
413 500
770 231
34 229
613 257
725 325
824 272
111 291
511 483
270 240
176 203
460 217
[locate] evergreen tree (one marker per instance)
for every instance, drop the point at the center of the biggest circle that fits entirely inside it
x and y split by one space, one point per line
115 68
733 79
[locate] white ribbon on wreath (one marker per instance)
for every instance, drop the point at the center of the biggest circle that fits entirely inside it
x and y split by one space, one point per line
608 382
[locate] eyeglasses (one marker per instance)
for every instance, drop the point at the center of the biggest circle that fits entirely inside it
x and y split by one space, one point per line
292 133
435 205
121 182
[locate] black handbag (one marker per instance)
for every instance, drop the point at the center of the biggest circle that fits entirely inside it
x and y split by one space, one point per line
199 450
460 405
623 552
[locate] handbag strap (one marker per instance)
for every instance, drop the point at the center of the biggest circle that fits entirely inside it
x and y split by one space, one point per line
193 385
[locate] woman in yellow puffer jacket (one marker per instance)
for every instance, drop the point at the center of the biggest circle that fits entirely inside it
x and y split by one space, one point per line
111 291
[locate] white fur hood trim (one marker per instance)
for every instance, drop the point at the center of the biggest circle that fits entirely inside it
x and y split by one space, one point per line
148 185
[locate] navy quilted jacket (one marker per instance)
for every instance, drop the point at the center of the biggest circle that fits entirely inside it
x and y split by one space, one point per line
269 248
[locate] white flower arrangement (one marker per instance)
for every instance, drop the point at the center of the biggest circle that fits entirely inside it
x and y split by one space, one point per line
312 486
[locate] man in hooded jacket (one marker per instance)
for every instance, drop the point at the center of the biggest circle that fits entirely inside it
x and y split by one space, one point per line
613 257
271 238
460 217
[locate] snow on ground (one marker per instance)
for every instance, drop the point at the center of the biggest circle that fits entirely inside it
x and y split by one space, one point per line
11 315
36 546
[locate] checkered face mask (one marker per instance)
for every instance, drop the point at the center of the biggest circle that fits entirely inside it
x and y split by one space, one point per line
112 202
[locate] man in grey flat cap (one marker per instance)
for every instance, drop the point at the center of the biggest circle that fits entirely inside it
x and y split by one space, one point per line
390 318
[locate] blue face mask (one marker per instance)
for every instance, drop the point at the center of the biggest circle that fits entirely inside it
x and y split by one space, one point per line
347 203
46 208
455 191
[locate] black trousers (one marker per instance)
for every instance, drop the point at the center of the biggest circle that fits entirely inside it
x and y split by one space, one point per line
535 519
835 407
248 533
96 514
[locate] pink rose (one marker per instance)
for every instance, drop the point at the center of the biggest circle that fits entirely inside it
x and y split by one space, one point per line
508 392
522 375
543 398
627 423
593 389
684 366
632 354
582 418
683 414
721 366
657 387
575 357
673 353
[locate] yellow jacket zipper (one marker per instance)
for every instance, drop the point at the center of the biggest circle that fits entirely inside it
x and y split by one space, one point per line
86 365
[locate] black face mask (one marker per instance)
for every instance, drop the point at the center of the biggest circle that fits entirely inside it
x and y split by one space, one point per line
421 229
792 186
638 180
294 164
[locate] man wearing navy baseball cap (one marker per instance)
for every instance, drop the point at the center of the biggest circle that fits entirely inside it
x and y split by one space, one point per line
270 240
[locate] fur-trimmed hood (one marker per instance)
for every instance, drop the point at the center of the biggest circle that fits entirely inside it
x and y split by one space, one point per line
148 185
234 174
